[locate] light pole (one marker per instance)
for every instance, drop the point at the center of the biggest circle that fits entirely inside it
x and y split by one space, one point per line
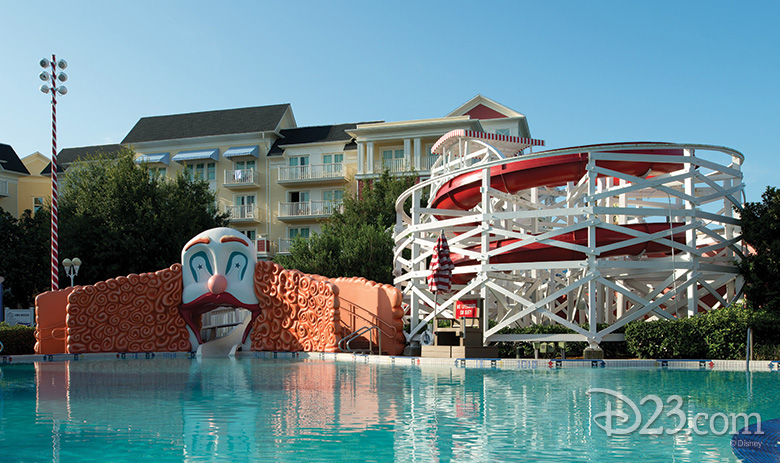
71 267
55 75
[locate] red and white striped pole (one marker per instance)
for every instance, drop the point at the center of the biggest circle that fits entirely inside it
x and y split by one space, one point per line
55 260
53 76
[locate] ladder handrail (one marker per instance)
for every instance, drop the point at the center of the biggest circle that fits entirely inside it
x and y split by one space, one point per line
344 343
389 328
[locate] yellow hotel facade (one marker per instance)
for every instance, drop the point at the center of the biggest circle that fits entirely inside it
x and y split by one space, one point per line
279 181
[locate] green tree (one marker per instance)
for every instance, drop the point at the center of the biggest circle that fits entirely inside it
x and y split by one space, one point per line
24 256
761 230
119 218
357 241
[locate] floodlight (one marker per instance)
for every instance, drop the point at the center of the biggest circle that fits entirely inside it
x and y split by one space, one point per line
45 63
45 88
62 89
62 64
62 77
44 76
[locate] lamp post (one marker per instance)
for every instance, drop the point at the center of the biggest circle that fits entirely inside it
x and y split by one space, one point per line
71 267
51 77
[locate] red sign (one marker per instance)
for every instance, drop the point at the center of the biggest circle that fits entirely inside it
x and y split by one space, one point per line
466 309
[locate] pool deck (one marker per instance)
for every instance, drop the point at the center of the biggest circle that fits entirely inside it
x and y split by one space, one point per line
501 363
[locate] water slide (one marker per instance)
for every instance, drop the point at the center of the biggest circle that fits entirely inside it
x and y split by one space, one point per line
463 192
226 345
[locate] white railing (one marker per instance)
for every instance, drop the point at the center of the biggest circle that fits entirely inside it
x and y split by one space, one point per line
238 212
285 244
241 177
311 172
309 208
427 162
395 166
3 187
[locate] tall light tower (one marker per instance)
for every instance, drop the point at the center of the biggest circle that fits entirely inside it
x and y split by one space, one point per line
51 78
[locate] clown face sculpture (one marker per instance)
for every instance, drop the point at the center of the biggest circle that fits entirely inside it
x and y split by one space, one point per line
218 269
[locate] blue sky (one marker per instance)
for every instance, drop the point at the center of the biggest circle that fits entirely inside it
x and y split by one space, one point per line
582 72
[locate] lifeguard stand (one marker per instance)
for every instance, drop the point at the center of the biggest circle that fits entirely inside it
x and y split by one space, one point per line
463 339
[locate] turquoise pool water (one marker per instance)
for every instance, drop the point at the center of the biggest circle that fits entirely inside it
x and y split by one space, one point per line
319 411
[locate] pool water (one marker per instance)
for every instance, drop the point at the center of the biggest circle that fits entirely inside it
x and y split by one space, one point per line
321 411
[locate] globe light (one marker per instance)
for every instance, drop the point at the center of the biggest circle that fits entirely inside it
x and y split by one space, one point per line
67 263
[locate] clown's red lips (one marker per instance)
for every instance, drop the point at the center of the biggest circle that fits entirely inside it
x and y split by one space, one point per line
211 301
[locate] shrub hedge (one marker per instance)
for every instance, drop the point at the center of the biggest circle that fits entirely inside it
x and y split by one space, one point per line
17 339
720 334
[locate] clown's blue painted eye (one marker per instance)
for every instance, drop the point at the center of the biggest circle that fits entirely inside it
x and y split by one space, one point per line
237 264
200 266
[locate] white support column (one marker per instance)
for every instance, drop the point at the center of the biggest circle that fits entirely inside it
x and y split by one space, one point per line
415 299
485 246
417 156
407 152
592 286
361 155
690 236
370 156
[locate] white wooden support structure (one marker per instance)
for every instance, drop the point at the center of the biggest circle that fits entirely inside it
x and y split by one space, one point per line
601 234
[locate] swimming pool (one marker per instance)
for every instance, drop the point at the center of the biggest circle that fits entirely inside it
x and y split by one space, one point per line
311 410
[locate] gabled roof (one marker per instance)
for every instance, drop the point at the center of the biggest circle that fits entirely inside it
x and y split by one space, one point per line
68 156
482 107
208 123
316 134
10 162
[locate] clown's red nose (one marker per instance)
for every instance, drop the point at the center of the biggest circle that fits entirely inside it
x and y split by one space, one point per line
217 284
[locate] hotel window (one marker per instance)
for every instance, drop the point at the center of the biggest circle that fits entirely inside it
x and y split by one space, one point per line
333 158
296 232
251 234
157 172
392 159
502 132
37 204
244 165
333 195
244 206
205 171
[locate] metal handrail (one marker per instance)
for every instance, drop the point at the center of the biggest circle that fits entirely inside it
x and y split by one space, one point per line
345 342
351 309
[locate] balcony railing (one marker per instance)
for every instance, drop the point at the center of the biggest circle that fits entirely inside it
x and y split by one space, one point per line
242 177
3 187
395 166
238 212
311 172
427 162
285 244
309 208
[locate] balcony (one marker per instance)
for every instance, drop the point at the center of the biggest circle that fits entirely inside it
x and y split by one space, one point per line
312 173
308 209
285 244
395 166
238 213
3 187
242 178
426 162
264 247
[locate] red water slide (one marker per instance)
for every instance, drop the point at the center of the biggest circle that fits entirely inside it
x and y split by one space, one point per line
463 193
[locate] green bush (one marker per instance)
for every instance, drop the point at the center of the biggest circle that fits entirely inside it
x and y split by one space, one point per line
17 339
720 334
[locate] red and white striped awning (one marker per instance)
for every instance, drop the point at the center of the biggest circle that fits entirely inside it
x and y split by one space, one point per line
507 144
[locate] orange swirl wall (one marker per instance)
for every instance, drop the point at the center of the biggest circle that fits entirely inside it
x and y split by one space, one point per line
137 313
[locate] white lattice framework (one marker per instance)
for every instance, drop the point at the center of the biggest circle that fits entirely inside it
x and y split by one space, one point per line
688 265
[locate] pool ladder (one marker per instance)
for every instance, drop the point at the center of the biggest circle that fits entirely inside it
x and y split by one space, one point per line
344 344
